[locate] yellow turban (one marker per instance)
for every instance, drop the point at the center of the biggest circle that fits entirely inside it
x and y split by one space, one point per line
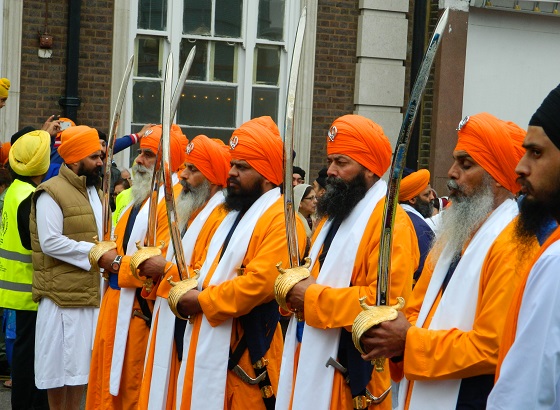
362 140
78 142
259 143
4 87
30 154
413 184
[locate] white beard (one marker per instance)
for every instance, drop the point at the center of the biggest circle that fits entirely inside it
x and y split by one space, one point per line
142 183
188 202
461 220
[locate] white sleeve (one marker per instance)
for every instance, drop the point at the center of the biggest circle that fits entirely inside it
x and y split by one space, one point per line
53 243
530 374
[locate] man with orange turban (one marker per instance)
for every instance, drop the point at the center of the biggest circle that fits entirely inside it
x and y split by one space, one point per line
65 217
203 178
55 127
448 347
415 197
528 376
235 315
344 258
124 319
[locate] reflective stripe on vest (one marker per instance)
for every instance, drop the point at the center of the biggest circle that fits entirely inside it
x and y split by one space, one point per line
16 268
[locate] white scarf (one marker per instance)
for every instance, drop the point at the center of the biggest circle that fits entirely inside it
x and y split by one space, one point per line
127 296
166 319
457 306
320 344
212 350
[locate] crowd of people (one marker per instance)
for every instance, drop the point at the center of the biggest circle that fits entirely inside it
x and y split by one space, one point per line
187 313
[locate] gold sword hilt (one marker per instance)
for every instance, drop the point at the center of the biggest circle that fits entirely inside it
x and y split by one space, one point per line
371 316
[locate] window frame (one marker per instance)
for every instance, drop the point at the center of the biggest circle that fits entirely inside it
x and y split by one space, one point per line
245 58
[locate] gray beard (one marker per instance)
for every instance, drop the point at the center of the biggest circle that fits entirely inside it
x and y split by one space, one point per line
141 183
461 220
188 202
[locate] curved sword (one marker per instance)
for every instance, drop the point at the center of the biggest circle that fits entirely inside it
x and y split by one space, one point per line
172 218
289 211
399 157
170 105
381 312
157 175
106 220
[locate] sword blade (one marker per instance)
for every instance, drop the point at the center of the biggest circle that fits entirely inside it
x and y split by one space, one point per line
399 157
172 218
181 83
157 175
115 118
290 216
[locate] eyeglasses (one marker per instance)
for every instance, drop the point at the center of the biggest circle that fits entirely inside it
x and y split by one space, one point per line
311 198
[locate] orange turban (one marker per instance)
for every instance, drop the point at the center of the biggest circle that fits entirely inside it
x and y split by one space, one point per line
4 151
211 157
177 143
77 143
495 145
413 184
362 140
259 143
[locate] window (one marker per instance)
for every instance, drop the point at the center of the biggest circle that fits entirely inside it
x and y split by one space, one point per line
240 68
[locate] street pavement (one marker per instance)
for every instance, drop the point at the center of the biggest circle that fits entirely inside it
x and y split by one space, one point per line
5 401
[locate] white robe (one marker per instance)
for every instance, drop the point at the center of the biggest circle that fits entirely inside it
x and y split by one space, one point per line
530 374
64 336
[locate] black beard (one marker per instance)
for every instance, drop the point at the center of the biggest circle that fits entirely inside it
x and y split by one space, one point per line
341 197
535 217
426 209
92 177
242 199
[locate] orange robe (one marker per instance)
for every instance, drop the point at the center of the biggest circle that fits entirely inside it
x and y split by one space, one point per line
161 289
98 395
327 307
237 297
453 353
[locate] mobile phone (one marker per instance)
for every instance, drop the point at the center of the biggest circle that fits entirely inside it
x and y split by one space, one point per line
64 125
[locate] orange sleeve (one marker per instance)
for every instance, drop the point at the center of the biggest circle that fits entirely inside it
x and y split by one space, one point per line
456 354
327 307
126 280
255 286
162 287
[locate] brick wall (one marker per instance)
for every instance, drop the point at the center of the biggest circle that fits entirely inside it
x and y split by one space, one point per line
335 70
43 81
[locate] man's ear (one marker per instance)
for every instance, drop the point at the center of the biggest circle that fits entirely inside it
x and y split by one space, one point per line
370 177
267 185
412 201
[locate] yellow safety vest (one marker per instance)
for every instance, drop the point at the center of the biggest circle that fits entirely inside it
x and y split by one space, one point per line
16 267
121 203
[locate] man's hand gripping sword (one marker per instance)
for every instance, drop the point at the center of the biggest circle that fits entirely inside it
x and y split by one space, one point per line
373 315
